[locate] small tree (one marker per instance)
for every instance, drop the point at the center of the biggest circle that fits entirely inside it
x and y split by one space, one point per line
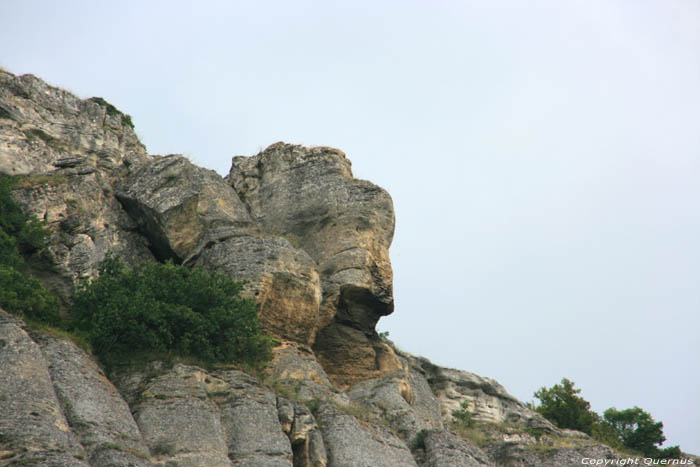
562 405
637 430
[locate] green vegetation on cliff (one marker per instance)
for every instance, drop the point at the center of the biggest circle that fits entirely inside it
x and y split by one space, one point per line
20 235
632 429
167 308
156 308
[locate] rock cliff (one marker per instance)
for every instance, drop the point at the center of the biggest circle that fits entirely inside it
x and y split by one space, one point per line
311 242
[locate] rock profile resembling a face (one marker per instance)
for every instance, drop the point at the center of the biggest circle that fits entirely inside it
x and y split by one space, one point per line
345 225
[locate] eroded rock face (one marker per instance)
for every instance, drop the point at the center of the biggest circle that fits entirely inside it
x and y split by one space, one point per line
311 242
57 408
444 449
282 279
182 208
93 407
405 402
32 424
346 225
486 399
296 371
349 443
68 152
309 196
44 128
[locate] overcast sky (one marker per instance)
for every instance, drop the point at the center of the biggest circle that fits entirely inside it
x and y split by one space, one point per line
543 158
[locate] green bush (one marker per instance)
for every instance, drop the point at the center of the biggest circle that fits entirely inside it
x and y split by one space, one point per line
637 430
166 308
562 405
419 440
463 416
20 293
632 429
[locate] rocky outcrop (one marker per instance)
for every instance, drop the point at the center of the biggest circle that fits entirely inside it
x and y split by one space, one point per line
296 372
44 129
517 455
309 196
33 428
486 400
94 409
182 208
309 239
67 152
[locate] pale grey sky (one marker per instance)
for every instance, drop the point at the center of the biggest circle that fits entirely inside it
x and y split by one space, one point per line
543 158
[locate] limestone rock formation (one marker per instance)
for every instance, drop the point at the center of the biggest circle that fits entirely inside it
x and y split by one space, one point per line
67 152
311 242
443 449
351 444
310 196
283 280
182 208
487 400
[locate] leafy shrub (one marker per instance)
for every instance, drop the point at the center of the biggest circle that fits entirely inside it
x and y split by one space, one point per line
562 405
20 293
463 416
165 308
419 440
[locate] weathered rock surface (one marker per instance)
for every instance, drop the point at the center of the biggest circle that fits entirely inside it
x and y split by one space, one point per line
444 449
516 455
93 407
33 428
44 128
68 152
182 208
282 279
394 400
303 432
486 399
296 372
309 196
349 443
